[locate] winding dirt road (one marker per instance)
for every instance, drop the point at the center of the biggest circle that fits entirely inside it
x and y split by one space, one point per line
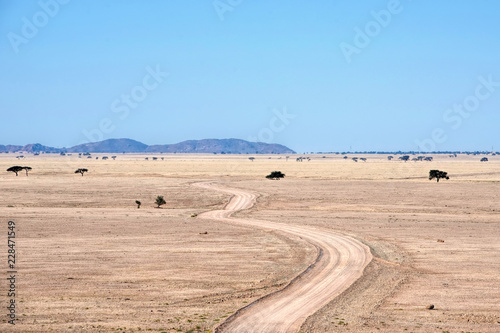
341 261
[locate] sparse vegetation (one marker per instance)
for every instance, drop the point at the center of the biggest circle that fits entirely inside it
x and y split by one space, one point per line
15 169
327 178
18 168
82 171
160 201
275 175
27 168
438 174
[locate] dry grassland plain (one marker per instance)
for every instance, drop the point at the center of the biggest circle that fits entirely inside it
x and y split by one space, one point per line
89 260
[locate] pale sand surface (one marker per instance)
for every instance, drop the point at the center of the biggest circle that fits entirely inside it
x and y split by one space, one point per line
89 260
340 262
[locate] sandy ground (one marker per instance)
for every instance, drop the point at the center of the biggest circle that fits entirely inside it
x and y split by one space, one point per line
340 261
89 260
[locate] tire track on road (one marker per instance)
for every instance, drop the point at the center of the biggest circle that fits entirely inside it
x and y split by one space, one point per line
341 261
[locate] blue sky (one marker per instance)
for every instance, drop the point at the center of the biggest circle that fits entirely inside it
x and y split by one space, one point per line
315 76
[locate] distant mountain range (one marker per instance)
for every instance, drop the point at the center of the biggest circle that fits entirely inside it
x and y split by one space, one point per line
206 146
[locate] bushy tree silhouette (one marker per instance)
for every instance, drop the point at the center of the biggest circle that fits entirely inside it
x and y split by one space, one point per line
82 171
160 201
275 175
438 174
15 169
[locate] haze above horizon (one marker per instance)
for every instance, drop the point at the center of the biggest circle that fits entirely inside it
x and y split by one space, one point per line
323 76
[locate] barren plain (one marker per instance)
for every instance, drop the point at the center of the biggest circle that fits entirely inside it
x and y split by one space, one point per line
89 260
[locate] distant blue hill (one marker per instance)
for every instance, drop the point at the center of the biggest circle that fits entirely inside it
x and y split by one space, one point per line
206 146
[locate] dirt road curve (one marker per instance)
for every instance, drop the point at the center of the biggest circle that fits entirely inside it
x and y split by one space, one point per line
341 262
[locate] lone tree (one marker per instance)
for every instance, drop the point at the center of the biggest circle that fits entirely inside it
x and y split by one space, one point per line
251 158
404 158
138 203
390 157
484 159
81 171
160 201
26 168
438 174
15 169
275 175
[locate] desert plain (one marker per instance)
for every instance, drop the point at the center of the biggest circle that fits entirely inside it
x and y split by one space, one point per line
89 260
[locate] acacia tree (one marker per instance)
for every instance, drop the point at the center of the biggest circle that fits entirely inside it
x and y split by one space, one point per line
15 169
160 201
27 168
404 158
81 171
275 175
438 174
251 158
